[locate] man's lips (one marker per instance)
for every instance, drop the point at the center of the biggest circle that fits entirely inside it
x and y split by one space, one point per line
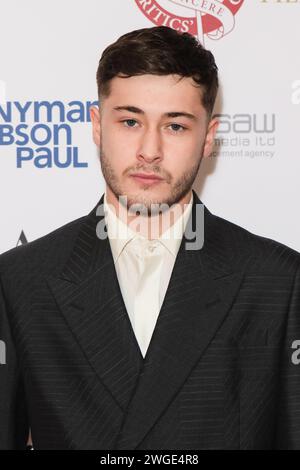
147 176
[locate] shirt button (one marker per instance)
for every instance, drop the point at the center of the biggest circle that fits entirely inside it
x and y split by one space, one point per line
152 246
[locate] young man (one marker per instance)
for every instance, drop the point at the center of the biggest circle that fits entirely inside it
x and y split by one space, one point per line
121 332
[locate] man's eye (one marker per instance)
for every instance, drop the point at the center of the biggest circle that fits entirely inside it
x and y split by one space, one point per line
177 128
129 122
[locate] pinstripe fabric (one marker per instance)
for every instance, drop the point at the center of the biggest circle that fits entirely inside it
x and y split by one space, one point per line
217 374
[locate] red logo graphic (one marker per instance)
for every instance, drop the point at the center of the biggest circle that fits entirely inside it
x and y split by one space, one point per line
202 18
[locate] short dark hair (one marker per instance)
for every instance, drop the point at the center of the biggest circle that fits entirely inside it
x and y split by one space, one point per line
159 50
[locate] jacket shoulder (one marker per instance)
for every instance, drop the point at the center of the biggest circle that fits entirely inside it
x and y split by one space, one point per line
44 253
252 251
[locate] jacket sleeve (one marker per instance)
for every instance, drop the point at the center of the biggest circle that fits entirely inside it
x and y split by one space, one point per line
13 411
288 412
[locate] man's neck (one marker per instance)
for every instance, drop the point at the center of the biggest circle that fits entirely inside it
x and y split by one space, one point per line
149 226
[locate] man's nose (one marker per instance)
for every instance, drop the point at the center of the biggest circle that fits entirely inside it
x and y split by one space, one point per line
151 145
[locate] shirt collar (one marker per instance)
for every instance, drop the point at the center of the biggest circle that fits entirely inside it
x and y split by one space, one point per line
120 234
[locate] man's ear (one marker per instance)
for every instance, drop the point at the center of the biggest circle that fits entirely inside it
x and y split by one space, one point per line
95 118
210 136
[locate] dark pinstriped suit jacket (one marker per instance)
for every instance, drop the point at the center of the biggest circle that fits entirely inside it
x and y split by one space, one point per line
218 373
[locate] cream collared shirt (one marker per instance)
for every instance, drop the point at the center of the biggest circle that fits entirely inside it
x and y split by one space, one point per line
120 235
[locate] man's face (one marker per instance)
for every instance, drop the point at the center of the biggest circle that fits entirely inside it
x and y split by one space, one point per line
142 129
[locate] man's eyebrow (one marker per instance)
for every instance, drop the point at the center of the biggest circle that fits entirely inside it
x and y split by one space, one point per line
171 114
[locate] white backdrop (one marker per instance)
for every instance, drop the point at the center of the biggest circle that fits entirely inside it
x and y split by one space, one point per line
50 52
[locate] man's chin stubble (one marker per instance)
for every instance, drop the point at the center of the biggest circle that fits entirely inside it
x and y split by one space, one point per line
148 205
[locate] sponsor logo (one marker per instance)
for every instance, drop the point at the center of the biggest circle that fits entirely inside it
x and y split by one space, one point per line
42 132
211 19
245 135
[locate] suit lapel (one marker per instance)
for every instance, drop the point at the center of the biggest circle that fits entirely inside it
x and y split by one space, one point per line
200 292
88 295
